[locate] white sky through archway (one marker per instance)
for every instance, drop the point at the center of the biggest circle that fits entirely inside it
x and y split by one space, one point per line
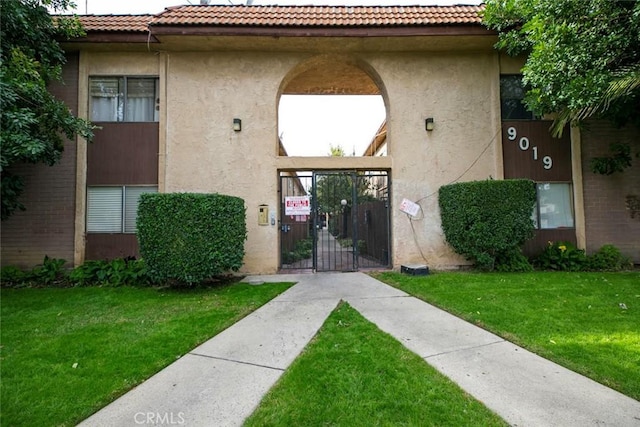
310 124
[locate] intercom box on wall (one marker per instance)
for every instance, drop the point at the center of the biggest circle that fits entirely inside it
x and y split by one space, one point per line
263 215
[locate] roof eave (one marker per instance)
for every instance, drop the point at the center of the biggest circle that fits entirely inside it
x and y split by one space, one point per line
115 37
301 31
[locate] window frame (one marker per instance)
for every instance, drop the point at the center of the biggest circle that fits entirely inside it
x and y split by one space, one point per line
536 214
125 100
124 220
531 116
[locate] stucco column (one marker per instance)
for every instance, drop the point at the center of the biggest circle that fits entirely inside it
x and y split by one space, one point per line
81 164
578 189
163 70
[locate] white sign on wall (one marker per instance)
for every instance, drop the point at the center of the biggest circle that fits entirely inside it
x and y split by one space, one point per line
408 207
297 205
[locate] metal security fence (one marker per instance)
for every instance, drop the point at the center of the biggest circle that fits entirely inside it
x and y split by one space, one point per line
348 225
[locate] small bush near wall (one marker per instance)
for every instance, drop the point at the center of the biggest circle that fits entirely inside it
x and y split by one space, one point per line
561 256
488 221
608 258
564 256
115 272
188 238
51 273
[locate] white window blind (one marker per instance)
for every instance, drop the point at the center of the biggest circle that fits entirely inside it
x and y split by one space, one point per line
114 209
104 209
131 201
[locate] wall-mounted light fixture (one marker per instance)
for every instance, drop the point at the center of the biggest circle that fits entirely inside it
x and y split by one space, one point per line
428 124
237 125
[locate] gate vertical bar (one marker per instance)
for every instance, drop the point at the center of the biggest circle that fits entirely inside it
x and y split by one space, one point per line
316 211
354 220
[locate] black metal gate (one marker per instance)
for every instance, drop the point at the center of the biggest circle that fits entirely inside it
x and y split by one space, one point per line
347 226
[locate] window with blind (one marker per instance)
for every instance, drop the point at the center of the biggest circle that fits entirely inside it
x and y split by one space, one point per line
114 209
124 99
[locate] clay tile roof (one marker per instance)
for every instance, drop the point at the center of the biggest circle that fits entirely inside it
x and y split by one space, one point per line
288 16
318 16
116 23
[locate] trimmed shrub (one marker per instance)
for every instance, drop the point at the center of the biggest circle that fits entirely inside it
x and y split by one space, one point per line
189 237
488 221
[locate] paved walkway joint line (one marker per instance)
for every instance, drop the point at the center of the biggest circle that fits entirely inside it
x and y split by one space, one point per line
236 361
470 348
221 382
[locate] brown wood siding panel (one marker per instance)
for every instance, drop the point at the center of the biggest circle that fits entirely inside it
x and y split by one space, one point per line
520 163
47 226
542 238
123 154
110 246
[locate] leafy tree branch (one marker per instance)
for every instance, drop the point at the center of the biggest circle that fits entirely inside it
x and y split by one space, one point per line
33 122
582 56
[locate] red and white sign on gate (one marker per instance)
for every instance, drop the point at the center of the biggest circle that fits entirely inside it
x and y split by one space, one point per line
297 205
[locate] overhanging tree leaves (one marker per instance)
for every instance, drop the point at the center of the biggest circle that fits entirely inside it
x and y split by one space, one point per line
33 122
583 57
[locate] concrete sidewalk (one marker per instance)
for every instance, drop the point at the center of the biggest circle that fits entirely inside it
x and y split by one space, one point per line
221 382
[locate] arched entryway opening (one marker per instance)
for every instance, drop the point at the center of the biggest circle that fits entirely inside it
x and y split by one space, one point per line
334 210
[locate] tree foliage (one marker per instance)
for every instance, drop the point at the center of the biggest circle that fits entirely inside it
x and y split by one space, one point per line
583 57
33 121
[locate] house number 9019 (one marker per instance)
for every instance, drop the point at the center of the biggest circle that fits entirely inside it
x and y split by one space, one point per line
524 145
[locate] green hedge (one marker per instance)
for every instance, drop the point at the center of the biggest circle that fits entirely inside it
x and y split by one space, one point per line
488 221
189 237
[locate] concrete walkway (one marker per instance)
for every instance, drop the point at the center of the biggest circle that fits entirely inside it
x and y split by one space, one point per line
221 382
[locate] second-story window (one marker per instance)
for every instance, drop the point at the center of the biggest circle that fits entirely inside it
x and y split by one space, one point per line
512 98
124 99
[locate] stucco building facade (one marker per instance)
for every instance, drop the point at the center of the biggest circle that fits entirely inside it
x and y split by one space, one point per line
191 70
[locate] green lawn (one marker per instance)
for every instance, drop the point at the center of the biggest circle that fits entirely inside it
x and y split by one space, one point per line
353 374
587 322
68 352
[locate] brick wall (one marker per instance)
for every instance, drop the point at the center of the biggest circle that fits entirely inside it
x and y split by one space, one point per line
608 221
47 226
